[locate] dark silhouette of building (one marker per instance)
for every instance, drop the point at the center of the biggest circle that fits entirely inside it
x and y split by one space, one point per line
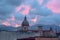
26 32
25 24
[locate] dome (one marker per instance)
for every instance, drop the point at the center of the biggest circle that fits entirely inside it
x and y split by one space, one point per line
25 22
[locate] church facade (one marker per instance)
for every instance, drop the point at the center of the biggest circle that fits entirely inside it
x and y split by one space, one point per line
27 33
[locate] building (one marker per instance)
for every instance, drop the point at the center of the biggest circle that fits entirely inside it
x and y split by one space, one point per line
58 34
27 33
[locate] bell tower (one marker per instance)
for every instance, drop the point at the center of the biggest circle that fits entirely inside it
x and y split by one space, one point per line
25 24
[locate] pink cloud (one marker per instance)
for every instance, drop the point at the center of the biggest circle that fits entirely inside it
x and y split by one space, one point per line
40 2
19 8
54 5
17 25
11 19
25 11
34 19
11 22
6 23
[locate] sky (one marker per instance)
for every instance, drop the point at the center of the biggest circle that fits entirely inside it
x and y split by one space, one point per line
12 12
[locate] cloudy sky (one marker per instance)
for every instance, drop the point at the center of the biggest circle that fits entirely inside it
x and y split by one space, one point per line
12 12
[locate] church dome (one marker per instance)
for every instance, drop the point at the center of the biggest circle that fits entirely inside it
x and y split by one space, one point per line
25 22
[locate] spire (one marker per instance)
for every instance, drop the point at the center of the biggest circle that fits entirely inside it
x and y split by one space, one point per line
25 22
25 18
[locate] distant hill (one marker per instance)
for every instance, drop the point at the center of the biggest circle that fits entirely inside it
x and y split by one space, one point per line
34 27
47 27
7 28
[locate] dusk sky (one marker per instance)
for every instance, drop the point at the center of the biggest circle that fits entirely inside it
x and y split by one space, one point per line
12 12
